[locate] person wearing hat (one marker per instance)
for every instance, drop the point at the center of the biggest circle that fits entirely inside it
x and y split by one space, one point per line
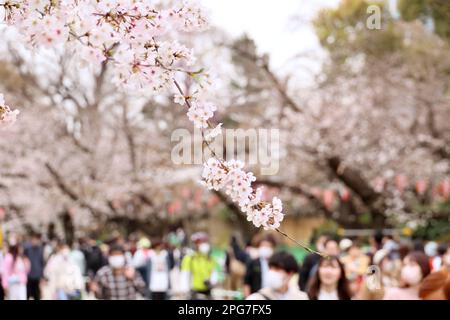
141 257
345 244
198 268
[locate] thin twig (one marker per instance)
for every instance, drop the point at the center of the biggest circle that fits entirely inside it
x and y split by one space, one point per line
301 244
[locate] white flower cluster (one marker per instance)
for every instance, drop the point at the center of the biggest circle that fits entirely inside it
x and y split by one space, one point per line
137 37
200 113
230 176
7 116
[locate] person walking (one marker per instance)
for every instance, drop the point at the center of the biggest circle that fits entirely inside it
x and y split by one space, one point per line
282 268
15 269
257 269
117 281
94 256
65 280
159 265
141 256
34 251
355 263
415 268
198 269
78 257
329 281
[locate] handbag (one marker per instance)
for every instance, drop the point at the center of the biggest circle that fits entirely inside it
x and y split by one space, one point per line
237 268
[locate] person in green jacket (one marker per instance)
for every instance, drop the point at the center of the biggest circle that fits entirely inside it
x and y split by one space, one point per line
199 268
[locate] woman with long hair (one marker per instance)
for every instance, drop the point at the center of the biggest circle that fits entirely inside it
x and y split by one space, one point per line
329 281
14 272
415 268
436 286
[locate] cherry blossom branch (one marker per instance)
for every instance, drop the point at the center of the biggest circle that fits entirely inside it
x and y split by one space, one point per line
188 104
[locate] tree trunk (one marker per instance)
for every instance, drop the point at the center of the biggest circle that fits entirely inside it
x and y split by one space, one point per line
354 180
68 227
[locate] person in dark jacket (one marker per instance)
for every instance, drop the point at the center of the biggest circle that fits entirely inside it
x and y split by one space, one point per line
257 269
239 253
94 257
34 251
310 261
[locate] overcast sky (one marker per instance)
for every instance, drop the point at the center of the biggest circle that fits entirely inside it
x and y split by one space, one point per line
279 27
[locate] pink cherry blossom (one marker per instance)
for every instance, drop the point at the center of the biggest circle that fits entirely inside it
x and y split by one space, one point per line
230 176
7 116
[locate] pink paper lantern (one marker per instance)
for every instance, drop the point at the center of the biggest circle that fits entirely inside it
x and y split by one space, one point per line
401 182
345 195
421 186
328 198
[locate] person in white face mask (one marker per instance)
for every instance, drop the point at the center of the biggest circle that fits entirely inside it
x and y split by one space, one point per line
282 267
117 281
64 278
199 273
257 269
415 268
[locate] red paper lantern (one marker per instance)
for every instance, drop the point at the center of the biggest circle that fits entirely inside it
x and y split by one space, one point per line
328 198
401 182
421 186
345 194
444 189
174 207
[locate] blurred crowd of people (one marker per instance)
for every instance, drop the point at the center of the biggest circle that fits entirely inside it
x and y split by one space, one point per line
382 268
182 267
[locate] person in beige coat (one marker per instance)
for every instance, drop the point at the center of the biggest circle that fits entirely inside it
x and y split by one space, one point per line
280 284
64 278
